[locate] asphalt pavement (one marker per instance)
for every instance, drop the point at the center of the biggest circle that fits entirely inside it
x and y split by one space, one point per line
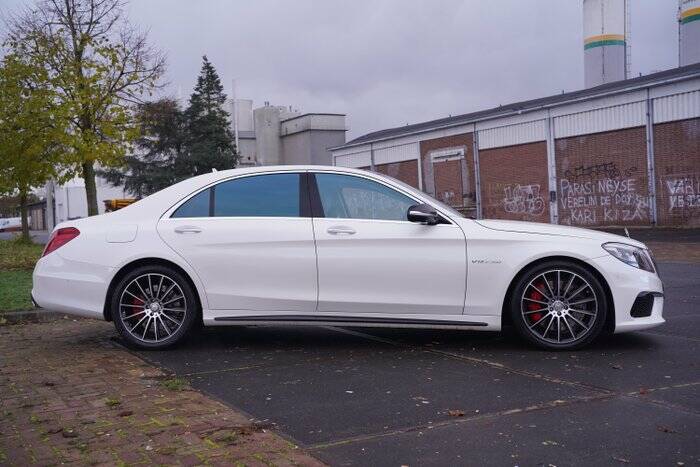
419 397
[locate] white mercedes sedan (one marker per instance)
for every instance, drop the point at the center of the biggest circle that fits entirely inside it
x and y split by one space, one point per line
304 245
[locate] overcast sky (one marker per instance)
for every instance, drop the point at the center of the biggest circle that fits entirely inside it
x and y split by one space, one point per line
388 63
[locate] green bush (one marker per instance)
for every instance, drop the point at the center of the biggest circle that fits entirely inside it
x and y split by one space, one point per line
18 254
17 259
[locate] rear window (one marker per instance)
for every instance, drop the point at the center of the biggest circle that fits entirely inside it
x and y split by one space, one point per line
197 206
273 195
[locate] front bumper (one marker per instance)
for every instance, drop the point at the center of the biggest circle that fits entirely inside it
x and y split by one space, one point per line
626 284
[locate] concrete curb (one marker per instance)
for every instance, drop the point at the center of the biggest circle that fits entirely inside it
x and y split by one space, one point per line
30 316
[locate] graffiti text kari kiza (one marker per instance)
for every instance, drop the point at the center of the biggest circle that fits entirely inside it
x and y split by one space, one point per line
606 200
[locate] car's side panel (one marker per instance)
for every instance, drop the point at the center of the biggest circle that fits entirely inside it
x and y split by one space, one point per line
495 258
390 267
252 263
75 278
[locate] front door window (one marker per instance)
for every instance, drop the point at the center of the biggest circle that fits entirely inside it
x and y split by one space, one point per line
350 197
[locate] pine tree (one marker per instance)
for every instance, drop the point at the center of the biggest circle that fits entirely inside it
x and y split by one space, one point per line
151 167
209 142
176 145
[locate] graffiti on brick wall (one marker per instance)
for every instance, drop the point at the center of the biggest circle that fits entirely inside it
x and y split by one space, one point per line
601 194
448 197
523 199
683 194
605 170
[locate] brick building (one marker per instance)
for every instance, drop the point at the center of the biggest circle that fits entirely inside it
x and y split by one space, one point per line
623 153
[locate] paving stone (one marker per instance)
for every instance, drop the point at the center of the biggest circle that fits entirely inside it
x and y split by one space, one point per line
84 370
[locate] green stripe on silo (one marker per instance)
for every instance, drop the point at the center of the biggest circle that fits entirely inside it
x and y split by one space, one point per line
690 18
591 45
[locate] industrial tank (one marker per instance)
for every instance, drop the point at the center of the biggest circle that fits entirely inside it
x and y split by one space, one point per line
689 32
604 44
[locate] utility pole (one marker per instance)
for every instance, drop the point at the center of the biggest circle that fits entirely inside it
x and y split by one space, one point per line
234 115
50 216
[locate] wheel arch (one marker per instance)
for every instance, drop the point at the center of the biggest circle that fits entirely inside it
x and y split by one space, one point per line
125 269
610 319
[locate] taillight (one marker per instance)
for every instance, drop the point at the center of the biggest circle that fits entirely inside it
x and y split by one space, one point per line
59 238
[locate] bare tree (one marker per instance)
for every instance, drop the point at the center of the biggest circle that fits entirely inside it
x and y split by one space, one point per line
101 65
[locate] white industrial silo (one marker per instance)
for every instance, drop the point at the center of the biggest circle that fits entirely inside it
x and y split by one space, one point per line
604 43
689 32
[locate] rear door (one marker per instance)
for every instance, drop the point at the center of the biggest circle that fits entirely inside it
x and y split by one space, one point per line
371 259
250 240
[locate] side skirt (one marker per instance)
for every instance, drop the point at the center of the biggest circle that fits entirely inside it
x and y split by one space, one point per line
358 321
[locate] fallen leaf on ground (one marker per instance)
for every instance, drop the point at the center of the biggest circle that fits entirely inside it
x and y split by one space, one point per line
665 429
455 413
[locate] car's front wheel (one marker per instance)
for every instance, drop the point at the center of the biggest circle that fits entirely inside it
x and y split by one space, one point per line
559 305
153 307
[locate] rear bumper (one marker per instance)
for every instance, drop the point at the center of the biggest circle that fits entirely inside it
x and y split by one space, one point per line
70 287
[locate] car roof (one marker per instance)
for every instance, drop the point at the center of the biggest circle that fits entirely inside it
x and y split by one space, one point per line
158 202
221 174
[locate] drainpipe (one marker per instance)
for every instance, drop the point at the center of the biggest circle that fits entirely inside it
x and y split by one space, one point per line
420 171
651 172
477 173
371 157
551 169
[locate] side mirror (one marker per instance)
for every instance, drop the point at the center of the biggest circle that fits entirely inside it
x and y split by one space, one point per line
423 213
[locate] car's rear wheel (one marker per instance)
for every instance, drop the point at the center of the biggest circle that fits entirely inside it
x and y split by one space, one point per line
559 305
153 307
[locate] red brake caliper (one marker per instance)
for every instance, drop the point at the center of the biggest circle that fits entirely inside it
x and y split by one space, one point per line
531 306
137 302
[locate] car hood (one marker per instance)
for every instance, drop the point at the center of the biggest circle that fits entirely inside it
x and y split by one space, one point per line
551 229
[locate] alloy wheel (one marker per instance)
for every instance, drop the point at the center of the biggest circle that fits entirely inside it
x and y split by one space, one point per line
152 307
559 306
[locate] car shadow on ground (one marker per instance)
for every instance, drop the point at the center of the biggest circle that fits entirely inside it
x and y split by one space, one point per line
328 339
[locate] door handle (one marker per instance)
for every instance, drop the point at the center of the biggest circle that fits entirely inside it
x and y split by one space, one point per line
340 229
187 229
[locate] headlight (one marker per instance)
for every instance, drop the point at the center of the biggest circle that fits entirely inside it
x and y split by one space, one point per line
632 255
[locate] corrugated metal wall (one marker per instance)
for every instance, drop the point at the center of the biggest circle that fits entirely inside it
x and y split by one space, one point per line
564 130
600 120
353 159
677 107
400 153
383 154
511 135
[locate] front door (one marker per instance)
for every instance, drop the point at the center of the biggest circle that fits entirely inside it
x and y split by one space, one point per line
250 242
371 259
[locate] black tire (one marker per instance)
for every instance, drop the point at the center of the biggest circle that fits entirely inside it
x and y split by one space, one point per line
125 316
542 289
